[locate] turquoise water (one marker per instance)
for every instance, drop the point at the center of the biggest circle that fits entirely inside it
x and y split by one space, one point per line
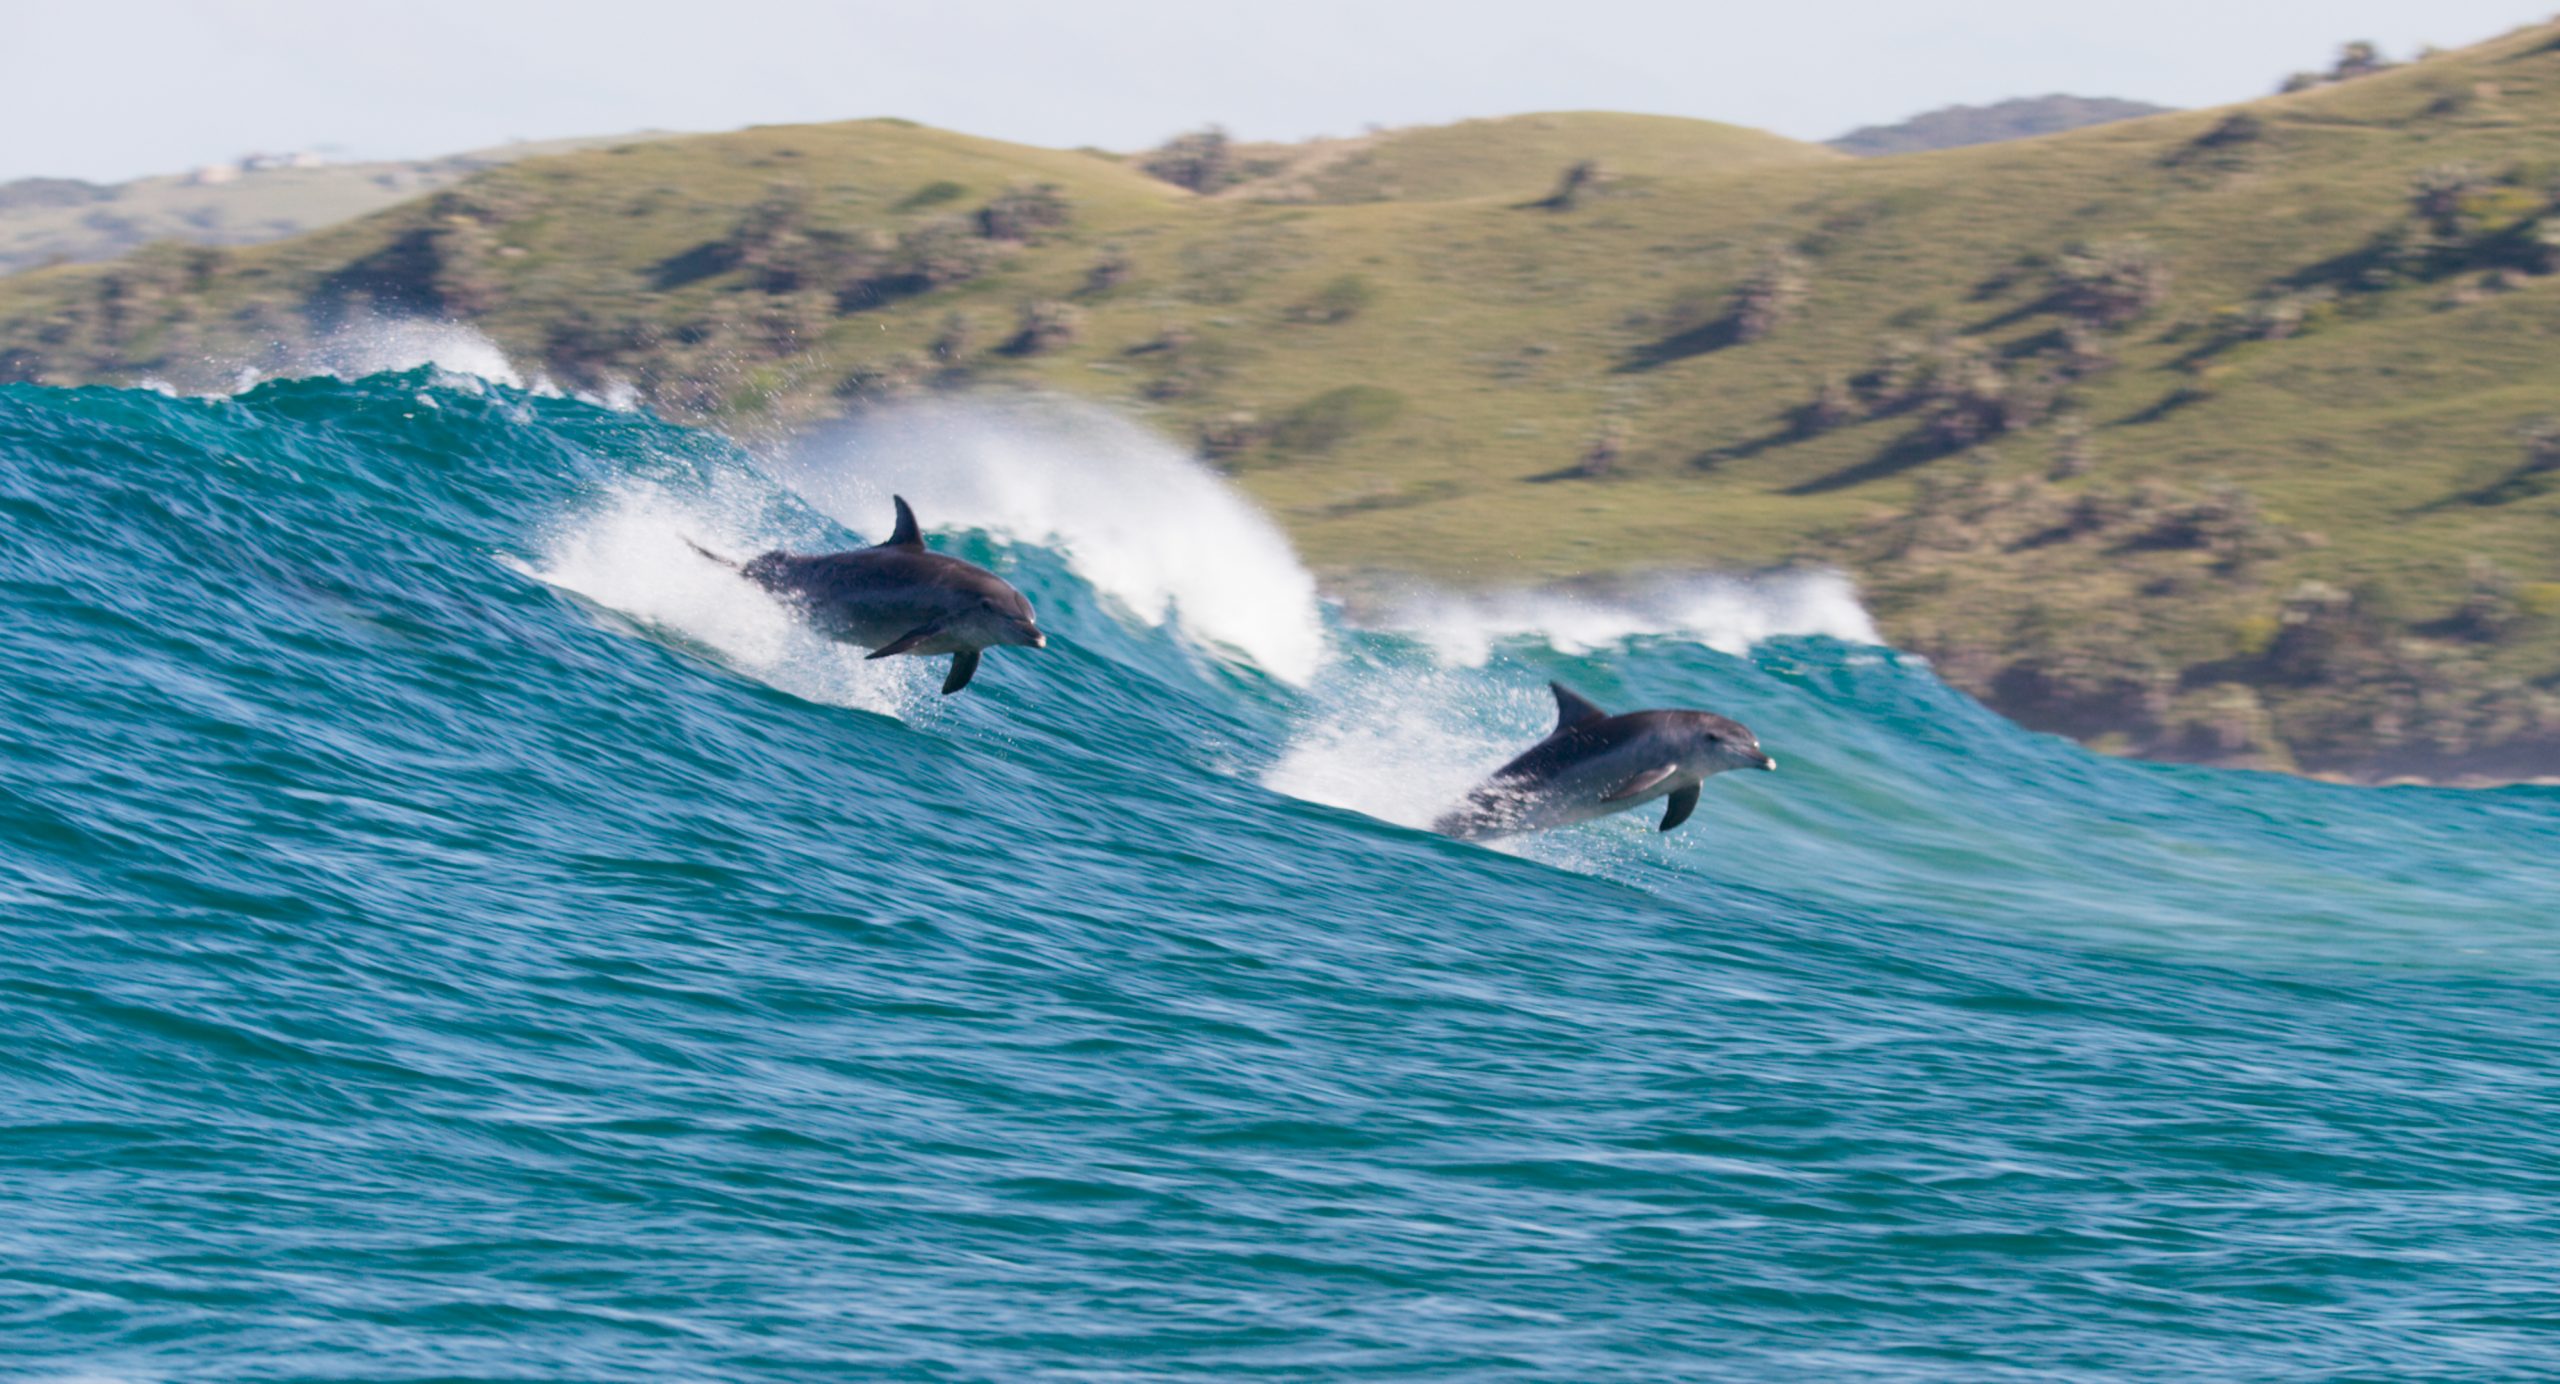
449 935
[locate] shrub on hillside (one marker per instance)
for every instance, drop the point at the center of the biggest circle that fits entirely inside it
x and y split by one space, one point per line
1834 404
1231 434
957 340
1768 298
2226 523
939 253
2237 128
1203 160
1579 180
2541 442
1965 395
1608 447
891 377
2223 146
782 324
445 265
2490 611
933 194
2462 221
2075 449
2323 633
1334 417
1189 364
2439 196
2360 58
2085 353
1045 325
2110 285
1108 271
770 238
1021 213
2285 315
1338 301
1890 382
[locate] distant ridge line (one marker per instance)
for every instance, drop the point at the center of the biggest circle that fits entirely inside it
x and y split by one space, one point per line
2024 117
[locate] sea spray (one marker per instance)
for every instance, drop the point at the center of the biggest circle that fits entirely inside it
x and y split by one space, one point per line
391 346
456 355
413 974
1726 613
632 553
1153 529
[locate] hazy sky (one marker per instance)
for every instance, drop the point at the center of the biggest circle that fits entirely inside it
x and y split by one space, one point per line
110 90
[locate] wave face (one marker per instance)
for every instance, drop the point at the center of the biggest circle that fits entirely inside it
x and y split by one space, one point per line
456 932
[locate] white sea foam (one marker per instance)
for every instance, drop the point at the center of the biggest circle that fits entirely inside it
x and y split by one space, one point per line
617 394
1405 746
1143 522
629 555
461 358
390 346
1402 748
1729 614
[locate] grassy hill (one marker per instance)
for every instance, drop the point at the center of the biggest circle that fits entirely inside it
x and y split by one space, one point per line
1516 158
2203 435
50 220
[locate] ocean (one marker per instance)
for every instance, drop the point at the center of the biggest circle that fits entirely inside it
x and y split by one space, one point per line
453 932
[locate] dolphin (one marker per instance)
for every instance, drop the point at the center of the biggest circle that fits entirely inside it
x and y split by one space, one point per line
1594 764
899 598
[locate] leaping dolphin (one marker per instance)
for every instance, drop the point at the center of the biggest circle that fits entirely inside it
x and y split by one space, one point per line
1594 764
899 598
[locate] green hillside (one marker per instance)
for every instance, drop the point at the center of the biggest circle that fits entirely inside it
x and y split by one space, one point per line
1519 157
2203 435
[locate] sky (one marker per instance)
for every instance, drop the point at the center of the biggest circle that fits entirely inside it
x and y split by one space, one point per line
107 91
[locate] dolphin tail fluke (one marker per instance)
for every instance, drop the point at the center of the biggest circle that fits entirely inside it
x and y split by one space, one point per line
715 557
964 666
1677 807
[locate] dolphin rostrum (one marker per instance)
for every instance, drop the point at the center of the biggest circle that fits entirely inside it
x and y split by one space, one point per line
899 598
1594 764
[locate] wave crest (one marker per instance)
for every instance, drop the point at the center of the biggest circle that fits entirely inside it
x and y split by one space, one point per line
1161 535
1729 614
631 556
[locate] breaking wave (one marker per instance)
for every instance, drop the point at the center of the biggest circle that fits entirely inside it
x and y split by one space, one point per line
456 932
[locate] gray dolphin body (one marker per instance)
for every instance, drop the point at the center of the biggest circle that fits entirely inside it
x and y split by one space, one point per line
1594 764
899 598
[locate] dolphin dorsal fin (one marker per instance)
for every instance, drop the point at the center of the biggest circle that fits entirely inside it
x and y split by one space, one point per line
907 535
1572 708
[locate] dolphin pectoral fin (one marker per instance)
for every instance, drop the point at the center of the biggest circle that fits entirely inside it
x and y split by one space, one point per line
1635 787
906 643
1677 807
731 564
964 666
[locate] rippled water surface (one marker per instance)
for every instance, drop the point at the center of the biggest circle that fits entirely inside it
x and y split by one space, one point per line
452 932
